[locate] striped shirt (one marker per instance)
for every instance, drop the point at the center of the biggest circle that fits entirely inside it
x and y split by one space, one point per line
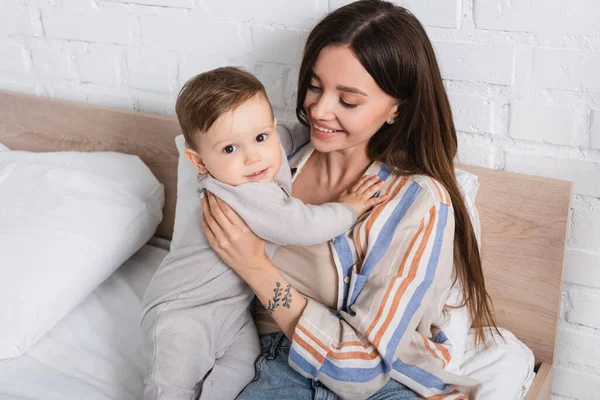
394 271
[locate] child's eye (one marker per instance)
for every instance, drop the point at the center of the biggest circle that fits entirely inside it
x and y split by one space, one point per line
261 138
314 88
229 149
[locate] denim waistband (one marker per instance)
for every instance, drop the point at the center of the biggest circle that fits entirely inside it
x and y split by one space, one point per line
270 343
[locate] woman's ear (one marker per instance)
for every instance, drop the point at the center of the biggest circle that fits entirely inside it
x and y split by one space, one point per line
195 159
394 111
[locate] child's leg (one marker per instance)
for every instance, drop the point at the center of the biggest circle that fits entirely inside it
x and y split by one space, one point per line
235 369
179 346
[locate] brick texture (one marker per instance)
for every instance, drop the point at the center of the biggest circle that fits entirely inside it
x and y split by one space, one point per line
523 79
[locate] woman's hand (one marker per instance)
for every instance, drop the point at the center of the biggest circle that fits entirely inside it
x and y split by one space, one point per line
231 238
243 251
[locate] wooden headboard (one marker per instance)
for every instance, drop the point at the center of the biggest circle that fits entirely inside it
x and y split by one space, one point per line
524 223
524 218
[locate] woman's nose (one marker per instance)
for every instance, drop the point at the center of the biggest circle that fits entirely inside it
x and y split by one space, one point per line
321 108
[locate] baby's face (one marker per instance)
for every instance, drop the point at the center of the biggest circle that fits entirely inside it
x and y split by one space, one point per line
242 145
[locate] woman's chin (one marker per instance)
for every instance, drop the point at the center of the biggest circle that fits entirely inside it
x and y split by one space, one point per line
325 142
322 146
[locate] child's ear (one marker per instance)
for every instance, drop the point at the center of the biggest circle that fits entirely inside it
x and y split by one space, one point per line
195 159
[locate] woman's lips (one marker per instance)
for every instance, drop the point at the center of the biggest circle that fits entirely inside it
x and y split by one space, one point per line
324 135
258 176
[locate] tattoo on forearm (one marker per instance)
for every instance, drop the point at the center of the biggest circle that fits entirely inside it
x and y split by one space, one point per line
287 296
277 292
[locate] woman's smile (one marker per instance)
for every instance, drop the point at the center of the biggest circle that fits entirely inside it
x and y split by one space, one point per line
323 133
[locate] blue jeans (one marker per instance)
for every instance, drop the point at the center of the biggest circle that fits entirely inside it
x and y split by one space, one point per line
275 379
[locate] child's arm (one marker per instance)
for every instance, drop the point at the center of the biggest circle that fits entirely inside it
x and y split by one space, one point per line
278 218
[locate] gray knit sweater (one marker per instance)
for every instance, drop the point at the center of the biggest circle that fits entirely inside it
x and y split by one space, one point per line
198 335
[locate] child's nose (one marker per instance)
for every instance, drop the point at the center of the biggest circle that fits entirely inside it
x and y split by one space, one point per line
252 158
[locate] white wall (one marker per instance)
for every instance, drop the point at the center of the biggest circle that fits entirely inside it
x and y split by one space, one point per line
523 77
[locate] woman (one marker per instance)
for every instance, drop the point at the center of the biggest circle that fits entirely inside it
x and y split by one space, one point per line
362 316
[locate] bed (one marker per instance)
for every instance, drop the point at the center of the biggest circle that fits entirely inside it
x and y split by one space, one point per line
523 218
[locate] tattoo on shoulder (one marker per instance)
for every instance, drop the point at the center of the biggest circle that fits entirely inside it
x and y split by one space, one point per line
278 291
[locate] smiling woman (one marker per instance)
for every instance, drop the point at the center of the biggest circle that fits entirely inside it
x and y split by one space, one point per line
341 115
371 94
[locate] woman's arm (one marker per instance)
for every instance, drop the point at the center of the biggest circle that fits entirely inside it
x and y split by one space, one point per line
284 303
243 251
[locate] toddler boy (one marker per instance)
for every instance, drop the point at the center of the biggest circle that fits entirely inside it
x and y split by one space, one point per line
199 337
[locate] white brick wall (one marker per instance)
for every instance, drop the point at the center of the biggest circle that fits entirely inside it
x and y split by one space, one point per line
595 129
476 62
523 78
583 309
566 69
13 58
541 123
540 16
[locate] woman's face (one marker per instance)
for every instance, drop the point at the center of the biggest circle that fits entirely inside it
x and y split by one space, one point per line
344 104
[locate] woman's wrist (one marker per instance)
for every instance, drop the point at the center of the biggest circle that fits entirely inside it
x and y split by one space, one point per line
256 268
284 303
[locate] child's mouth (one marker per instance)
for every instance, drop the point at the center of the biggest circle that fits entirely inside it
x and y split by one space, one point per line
258 175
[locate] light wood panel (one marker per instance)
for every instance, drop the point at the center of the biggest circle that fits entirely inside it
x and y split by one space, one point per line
541 387
524 218
523 228
41 124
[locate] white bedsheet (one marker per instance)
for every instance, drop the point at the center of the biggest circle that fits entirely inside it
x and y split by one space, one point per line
95 352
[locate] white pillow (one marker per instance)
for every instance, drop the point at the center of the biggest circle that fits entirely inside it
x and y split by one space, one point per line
68 221
3 147
505 368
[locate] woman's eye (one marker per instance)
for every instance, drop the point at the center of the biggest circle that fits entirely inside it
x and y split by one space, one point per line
347 105
229 149
261 138
314 88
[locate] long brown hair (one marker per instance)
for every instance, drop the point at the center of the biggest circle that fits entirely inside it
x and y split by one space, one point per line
393 47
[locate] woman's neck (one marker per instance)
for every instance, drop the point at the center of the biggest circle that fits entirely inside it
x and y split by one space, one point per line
342 168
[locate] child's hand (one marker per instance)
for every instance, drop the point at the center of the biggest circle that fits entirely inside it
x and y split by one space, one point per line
359 196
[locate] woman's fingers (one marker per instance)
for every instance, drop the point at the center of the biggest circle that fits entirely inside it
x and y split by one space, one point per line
229 213
209 216
217 211
207 231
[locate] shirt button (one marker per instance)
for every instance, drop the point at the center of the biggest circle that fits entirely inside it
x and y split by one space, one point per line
347 280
